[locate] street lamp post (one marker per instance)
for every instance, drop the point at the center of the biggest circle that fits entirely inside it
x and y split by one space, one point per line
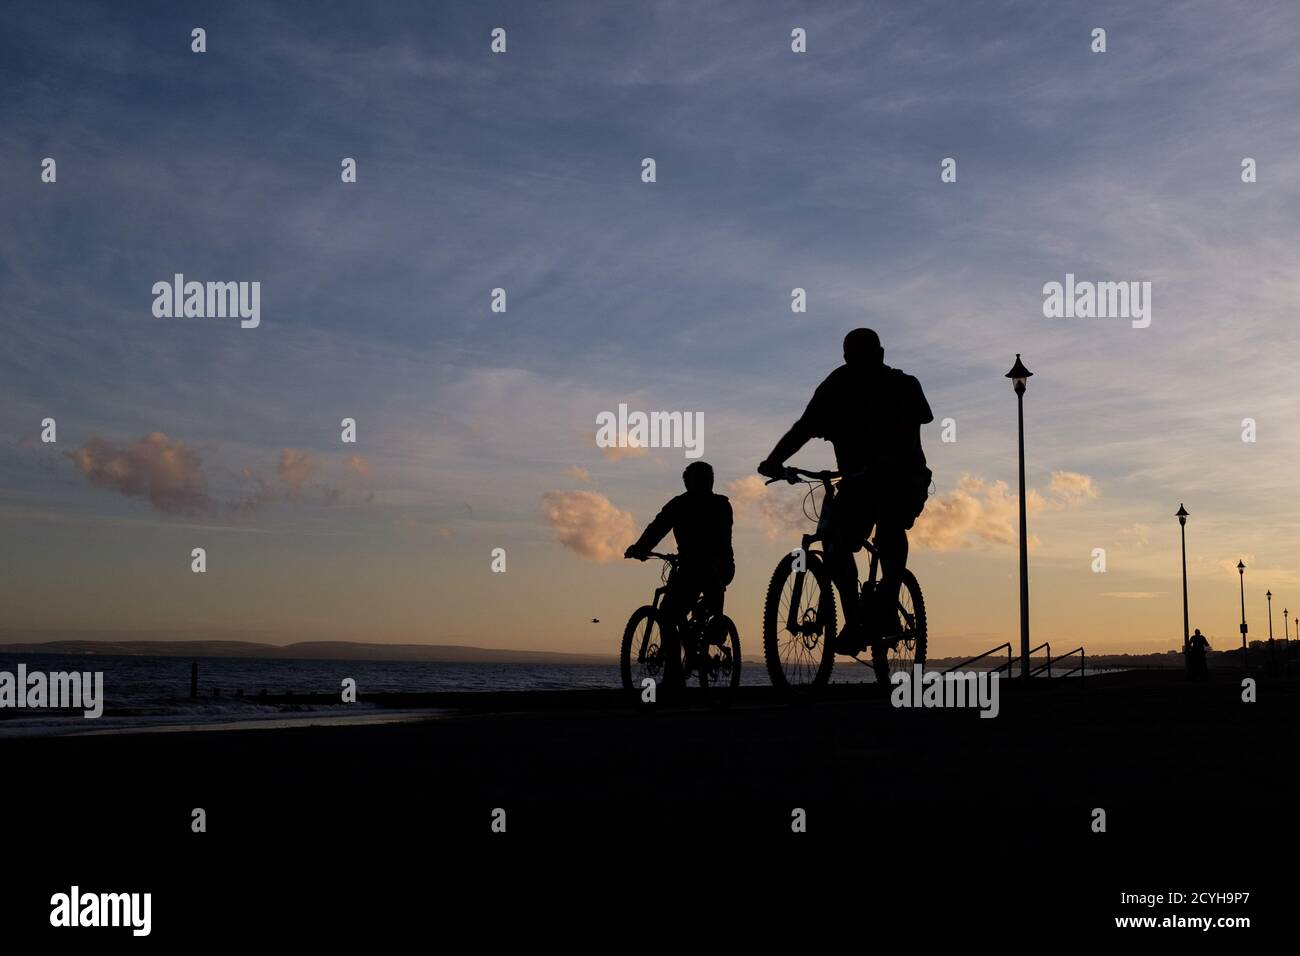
1182 531
1286 631
1241 571
1019 375
1272 652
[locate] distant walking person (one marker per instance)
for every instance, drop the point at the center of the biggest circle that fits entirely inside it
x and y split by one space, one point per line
701 522
872 414
1197 645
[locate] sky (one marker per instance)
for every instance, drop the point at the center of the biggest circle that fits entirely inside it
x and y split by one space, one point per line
522 170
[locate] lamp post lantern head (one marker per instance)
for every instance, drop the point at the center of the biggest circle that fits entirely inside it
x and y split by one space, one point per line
1269 595
1241 569
1181 515
1018 375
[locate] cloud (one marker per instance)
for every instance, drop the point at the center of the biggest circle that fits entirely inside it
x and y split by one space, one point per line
578 473
777 509
978 514
164 471
1140 533
1069 488
295 468
630 447
1230 564
262 492
617 453
588 523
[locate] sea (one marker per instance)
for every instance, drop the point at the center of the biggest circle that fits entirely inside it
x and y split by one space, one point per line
145 692
153 693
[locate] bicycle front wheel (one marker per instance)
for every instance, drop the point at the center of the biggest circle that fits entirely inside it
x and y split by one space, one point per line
799 624
642 654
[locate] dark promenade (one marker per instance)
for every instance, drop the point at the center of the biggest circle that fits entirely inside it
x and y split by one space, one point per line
969 813
1144 740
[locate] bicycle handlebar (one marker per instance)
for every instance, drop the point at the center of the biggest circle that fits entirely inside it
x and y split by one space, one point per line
670 558
792 475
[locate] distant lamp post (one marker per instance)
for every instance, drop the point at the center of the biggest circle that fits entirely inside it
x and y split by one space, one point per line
1241 570
1286 630
1182 531
1019 375
1272 652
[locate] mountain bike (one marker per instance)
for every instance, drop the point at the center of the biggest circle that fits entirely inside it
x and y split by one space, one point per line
799 615
709 645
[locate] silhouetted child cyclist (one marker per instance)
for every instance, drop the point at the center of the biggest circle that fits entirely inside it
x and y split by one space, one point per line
701 522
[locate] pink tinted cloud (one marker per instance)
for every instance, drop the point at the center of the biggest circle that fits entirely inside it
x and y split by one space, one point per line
588 523
165 472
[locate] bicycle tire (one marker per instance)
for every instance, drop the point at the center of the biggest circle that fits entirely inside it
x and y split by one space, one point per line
719 695
882 662
626 662
779 672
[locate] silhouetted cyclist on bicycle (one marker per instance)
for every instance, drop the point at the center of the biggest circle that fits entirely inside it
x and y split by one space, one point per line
701 523
872 414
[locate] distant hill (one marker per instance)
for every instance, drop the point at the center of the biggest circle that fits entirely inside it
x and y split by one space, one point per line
306 650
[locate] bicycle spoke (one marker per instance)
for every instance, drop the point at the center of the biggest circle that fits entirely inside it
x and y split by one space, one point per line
797 633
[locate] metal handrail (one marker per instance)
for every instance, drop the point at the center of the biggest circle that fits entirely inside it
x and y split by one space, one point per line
1082 668
1045 644
1046 666
979 657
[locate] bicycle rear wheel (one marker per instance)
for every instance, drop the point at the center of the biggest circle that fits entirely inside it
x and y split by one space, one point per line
799 624
892 655
719 671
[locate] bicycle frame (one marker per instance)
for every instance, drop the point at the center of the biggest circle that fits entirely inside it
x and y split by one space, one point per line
663 590
823 521
691 620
